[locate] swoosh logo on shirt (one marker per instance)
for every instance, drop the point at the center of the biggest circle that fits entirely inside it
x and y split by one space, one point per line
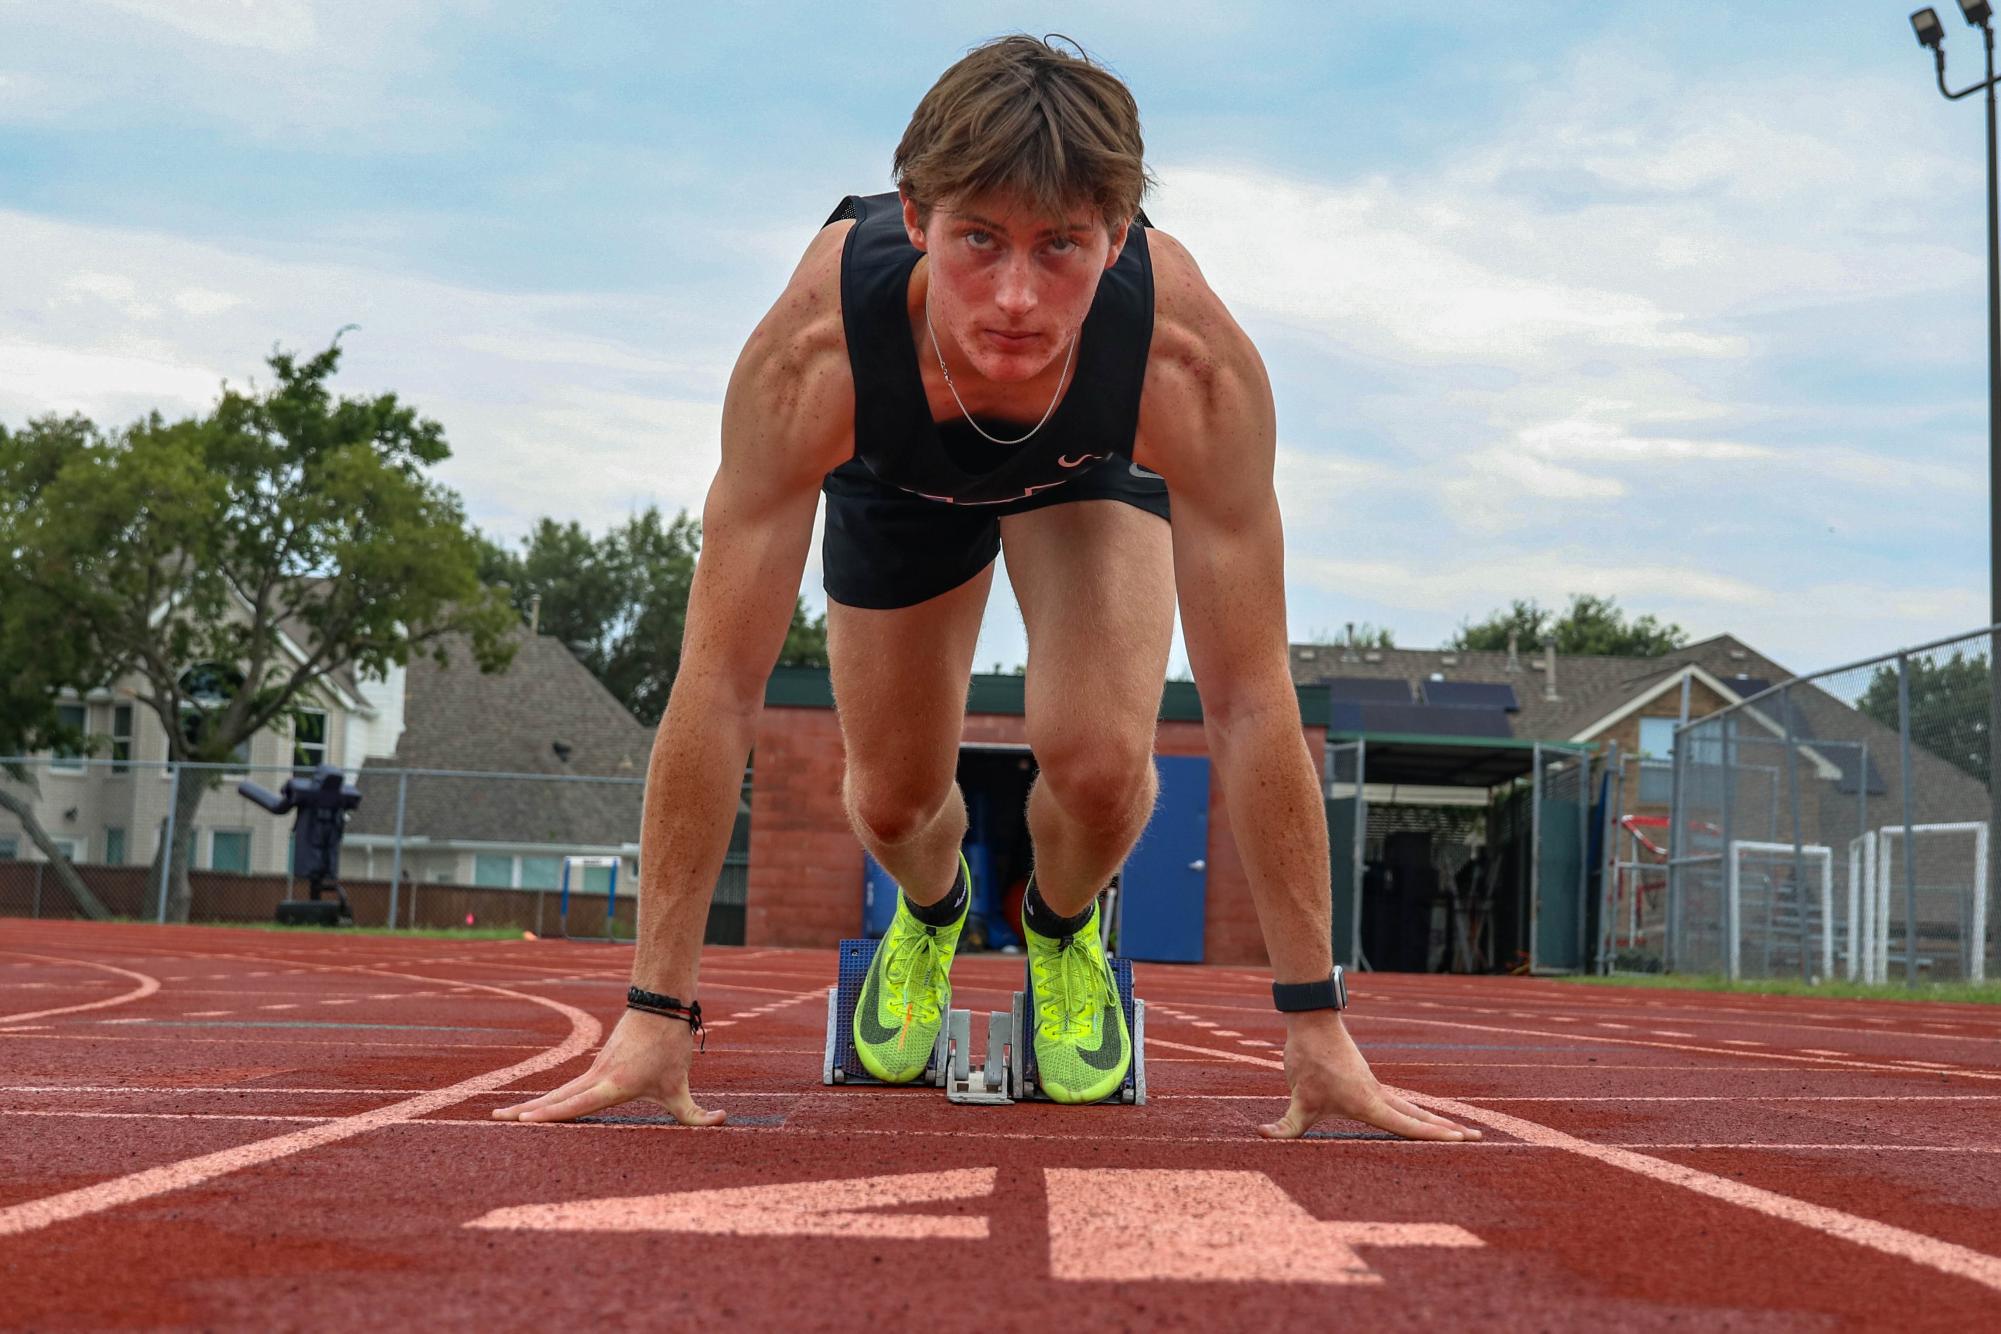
1138 471
873 1031
1065 461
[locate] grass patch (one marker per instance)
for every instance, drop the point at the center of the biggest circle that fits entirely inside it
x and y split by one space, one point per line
1975 993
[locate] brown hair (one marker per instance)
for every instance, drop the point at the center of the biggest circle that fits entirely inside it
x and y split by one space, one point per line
1019 116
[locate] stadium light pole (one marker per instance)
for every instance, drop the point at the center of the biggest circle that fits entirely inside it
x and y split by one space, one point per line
1931 33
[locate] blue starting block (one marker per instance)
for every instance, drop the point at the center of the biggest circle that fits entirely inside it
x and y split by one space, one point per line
1007 1070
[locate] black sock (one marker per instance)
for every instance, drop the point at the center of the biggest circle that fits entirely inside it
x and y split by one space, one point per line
946 910
1042 919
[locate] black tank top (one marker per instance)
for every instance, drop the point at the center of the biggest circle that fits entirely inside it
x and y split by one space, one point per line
895 437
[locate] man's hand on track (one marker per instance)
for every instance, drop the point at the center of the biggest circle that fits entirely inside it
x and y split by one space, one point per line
1329 1077
646 1056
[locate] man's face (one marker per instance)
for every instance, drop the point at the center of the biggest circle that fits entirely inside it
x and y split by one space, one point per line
1009 286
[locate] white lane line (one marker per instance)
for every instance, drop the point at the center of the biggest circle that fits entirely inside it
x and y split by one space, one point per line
154 1090
482 1123
135 1186
147 986
1672 1033
1837 1060
1944 1256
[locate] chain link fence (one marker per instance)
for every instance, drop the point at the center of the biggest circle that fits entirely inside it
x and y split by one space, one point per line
1838 826
423 849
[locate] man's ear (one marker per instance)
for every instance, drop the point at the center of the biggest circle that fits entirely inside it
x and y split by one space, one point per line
911 226
1118 246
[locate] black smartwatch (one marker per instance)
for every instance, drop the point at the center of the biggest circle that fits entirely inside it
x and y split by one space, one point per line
1292 997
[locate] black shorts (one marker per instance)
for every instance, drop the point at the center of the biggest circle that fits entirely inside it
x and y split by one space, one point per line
886 547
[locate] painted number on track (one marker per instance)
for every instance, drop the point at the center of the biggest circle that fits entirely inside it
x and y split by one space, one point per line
1105 1224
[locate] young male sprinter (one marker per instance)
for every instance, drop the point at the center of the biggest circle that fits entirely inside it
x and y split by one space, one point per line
1008 355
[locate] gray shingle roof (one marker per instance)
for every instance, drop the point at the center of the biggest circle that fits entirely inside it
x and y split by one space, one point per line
1588 686
511 722
1591 687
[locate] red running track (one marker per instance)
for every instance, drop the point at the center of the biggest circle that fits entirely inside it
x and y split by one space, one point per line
205 1128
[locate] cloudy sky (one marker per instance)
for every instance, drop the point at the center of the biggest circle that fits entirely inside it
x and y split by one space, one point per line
1674 303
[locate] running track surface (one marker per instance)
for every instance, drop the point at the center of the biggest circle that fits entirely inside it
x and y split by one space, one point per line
205 1128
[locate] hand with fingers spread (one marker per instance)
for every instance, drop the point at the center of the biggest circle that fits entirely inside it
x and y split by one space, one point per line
646 1056
1329 1077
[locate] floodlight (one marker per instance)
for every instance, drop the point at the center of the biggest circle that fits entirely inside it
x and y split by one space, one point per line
1929 30
1977 11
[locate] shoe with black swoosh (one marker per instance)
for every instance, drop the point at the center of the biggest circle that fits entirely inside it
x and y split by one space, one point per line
906 993
1082 1047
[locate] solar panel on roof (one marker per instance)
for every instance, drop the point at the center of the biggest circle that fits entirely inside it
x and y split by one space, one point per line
1434 720
1368 690
1747 686
1472 695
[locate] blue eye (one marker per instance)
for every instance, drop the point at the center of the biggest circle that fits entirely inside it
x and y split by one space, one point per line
978 239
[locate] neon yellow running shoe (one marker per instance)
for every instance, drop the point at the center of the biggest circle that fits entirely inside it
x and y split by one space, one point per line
906 993
1082 1048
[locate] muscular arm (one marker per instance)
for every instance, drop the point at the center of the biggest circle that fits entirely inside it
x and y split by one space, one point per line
1207 426
787 420
756 528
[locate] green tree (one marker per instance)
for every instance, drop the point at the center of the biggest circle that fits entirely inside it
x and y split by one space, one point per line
1950 703
173 552
621 602
1591 624
32 670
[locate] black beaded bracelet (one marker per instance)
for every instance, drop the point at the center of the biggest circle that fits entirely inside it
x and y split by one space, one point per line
652 1002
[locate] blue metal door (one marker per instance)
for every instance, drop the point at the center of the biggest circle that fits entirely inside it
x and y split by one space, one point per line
1165 883
878 898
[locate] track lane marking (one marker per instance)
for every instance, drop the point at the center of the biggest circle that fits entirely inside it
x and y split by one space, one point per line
667 1123
136 1186
147 986
1944 1256
1761 1054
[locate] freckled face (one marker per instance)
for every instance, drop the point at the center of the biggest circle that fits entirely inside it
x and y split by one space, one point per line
1009 286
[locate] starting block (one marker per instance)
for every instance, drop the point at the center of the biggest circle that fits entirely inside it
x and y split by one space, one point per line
1006 1071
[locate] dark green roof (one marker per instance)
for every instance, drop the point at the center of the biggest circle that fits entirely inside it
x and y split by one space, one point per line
1002 693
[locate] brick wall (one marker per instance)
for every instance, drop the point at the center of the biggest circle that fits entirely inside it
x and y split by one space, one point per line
806 866
805 885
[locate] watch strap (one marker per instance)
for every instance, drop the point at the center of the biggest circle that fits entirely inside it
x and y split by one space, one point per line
1331 993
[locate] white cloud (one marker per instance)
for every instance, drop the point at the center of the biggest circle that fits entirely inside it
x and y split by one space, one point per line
283 26
542 418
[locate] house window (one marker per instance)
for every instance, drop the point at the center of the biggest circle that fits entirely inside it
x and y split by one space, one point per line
229 850
121 738
114 846
71 849
1656 761
541 872
68 761
309 738
493 871
209 687
10 848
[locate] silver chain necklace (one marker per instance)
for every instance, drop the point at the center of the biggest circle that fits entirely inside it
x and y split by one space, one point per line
938 352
